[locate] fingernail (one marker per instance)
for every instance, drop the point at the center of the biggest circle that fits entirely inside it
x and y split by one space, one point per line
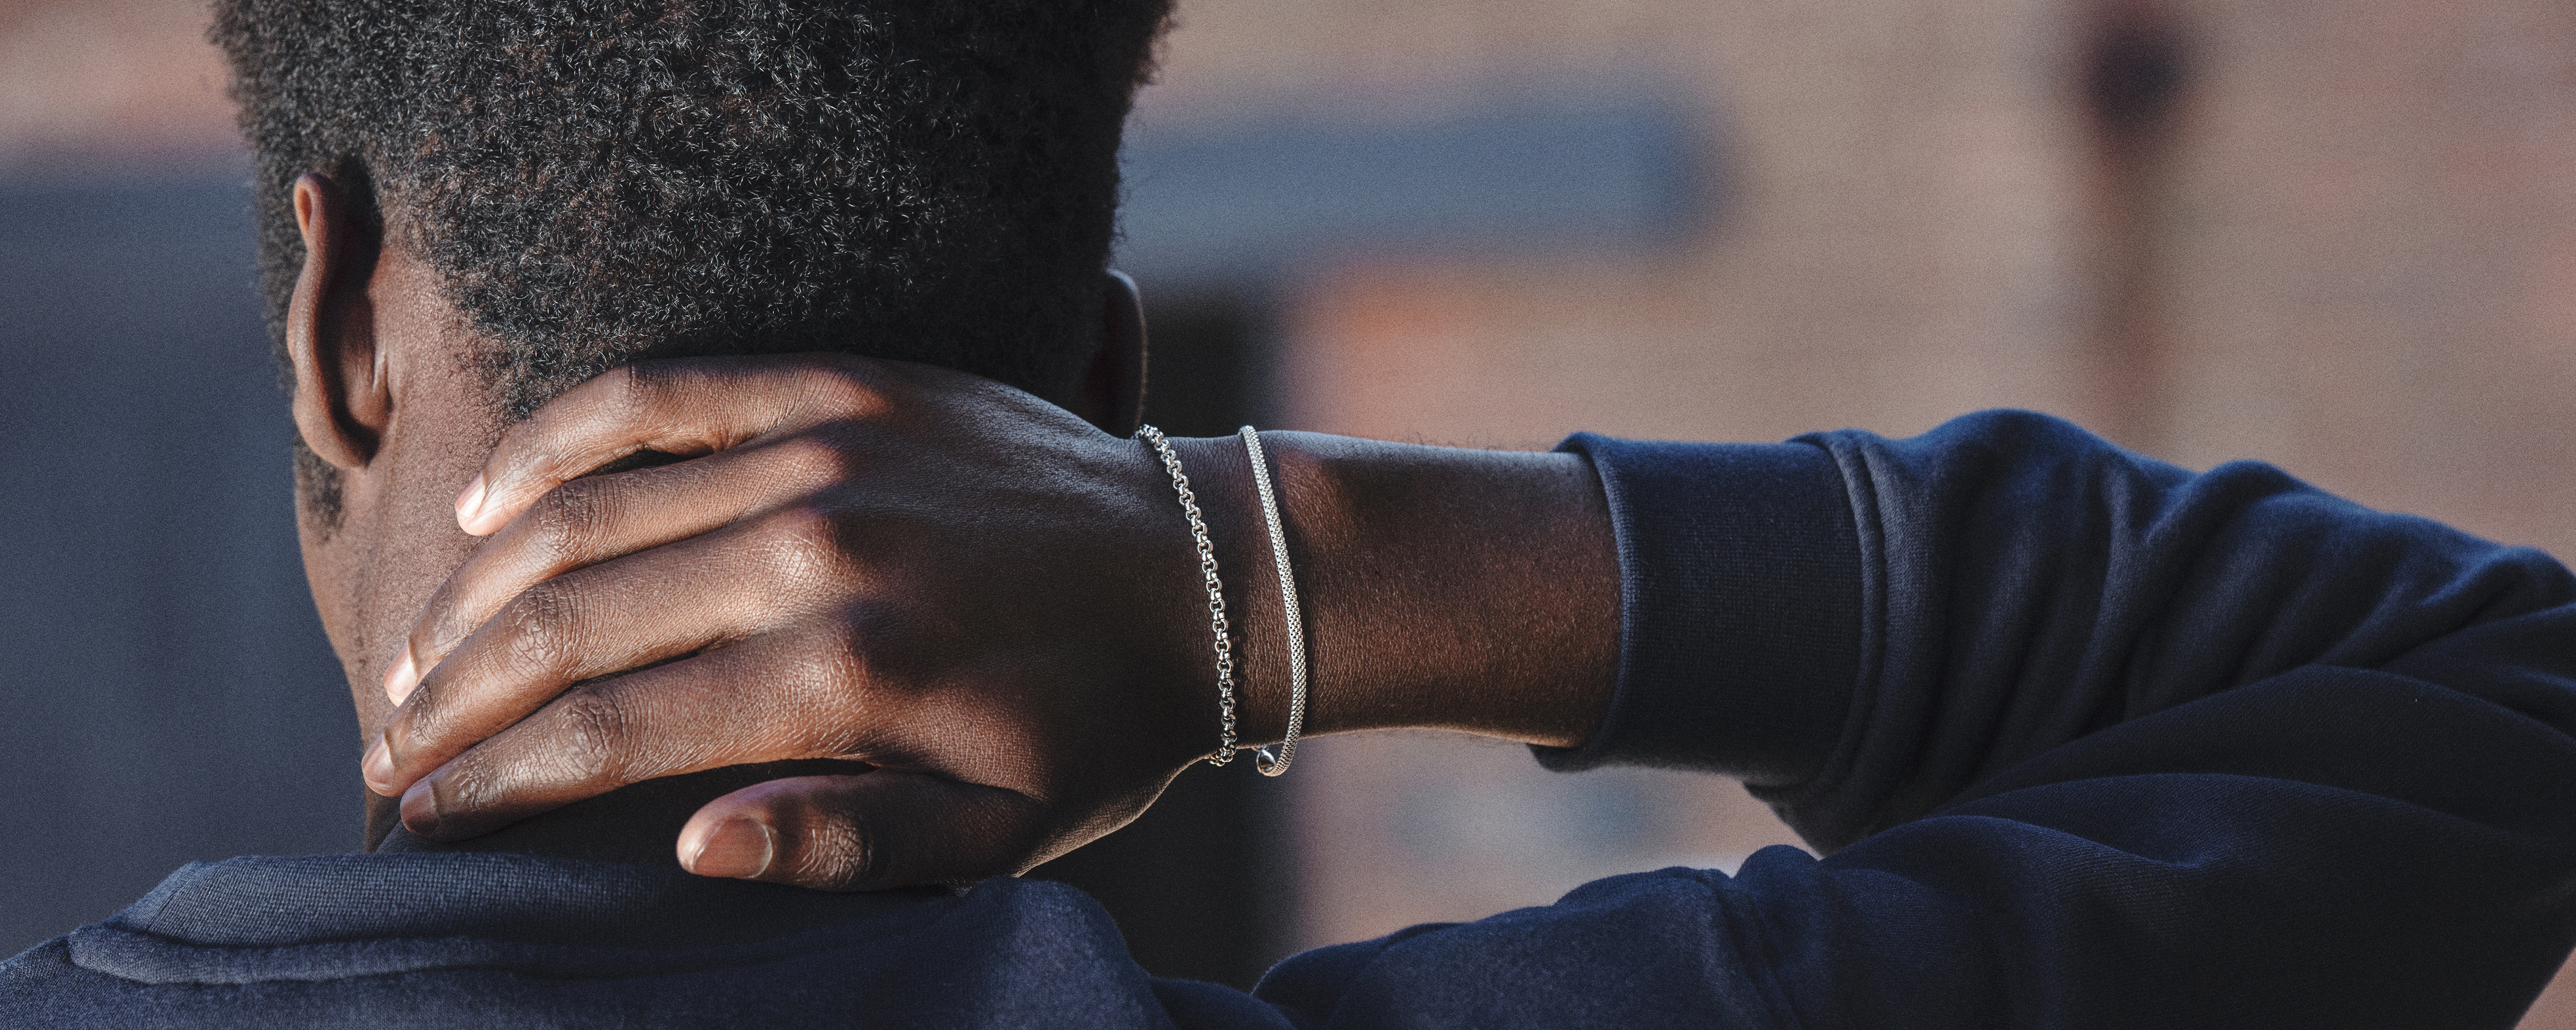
402 678
420 809
378 767
470 503
738 848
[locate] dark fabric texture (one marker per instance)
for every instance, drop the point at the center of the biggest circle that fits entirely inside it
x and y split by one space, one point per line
2088 741
1751 583
498 940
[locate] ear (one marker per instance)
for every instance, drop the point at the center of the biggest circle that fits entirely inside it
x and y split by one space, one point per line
1112 392
342 400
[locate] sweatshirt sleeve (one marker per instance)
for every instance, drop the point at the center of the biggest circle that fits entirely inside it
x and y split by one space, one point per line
2088 740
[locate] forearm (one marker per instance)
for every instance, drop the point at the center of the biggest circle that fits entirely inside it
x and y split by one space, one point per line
2005 568
1441 587
2103 742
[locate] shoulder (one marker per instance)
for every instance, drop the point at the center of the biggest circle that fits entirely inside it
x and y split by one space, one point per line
505 941
43 987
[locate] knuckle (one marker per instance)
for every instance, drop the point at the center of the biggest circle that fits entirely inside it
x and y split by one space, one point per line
884 646
592 734
465 786
835 676
841 663
840 391
866 663
572 519
430 637
541 627
811 461
441 631
802 546
633 388
630 396
836 850
422 733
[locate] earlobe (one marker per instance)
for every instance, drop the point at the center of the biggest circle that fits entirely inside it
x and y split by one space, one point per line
342 400
1113 388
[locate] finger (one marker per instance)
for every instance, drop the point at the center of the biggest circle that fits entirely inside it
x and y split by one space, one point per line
741 705
879 830
683 406
588 521
659 604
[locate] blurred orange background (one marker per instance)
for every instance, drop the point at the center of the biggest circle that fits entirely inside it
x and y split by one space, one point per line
2338 235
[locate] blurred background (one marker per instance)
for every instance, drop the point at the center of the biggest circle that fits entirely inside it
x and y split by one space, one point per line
2339 235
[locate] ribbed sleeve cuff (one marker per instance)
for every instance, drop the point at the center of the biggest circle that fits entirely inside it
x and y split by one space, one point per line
1740 623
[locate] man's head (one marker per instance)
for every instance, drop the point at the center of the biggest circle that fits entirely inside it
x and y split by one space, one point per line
467 208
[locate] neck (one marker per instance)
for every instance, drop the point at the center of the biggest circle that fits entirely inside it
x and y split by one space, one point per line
638 825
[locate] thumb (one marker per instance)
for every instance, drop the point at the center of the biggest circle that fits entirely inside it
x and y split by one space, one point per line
873 831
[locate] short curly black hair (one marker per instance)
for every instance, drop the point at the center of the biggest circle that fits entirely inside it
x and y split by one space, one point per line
602 180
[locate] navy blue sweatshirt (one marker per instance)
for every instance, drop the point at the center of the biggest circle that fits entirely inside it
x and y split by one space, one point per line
2088 741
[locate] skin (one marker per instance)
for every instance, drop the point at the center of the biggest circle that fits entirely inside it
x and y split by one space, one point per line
968 620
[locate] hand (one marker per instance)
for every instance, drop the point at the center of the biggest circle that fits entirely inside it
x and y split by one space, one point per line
991 601
973 598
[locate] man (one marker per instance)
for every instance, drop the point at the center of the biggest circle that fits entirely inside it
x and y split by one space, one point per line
466 208
2091 741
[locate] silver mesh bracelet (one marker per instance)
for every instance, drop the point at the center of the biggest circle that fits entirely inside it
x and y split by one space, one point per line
1216 593
1274 761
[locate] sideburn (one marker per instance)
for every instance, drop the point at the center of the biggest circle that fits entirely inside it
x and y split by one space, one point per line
317 489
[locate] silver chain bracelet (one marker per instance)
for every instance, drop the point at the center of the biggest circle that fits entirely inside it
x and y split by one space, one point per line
1216 592
1274 761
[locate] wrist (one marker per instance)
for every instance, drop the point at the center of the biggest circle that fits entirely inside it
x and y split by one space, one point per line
1441 587
1221 479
